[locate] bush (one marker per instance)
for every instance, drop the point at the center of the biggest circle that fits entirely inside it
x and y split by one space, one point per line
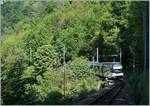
12 83
79 68
80 79
139 82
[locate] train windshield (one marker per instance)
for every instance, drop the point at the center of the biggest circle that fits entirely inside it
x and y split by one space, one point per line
117 67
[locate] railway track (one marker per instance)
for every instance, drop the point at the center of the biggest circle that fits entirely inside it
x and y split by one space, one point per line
107 97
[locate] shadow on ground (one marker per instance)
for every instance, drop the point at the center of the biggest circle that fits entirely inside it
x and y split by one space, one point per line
56 98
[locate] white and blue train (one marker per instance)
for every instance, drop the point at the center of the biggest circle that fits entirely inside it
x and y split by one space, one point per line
114 69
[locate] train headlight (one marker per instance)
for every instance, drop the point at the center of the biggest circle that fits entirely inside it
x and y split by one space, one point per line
117 74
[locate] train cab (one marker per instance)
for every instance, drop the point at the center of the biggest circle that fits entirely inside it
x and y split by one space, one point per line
117 70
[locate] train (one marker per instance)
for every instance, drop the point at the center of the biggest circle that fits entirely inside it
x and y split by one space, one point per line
110 73
110 70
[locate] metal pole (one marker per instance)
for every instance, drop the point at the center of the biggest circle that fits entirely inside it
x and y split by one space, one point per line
64 53
97 55
133 61
120 55
30 55
93 62
93 66
144 27
114 59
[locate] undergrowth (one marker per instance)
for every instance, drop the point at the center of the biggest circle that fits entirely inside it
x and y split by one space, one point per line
139 82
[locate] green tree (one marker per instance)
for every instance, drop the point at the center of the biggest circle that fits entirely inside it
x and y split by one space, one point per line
45 57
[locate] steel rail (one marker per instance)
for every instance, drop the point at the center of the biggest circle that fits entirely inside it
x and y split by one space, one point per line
108 96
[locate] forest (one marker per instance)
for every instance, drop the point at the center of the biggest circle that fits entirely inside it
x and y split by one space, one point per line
34 35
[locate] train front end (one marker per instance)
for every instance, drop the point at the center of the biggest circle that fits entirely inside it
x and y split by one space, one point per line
117 70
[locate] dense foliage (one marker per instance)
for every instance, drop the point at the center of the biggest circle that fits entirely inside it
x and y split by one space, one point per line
44 27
